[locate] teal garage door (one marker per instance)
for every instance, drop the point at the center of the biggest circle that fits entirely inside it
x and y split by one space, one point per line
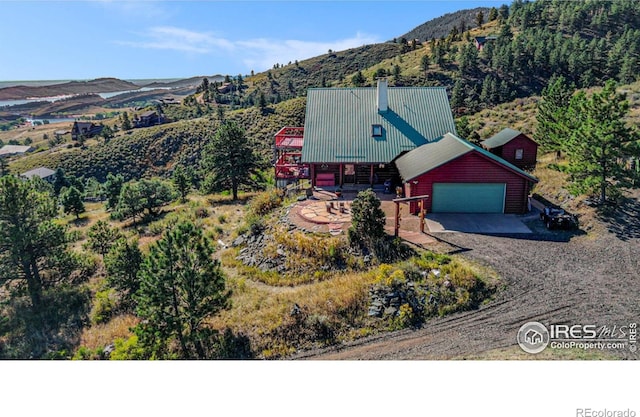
468 198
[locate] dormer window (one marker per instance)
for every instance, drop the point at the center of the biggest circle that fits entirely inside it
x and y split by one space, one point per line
376 130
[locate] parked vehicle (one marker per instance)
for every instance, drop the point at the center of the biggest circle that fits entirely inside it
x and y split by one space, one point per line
556 218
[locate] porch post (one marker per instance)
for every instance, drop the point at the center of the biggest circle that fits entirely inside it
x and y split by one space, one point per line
371 176
313 175
421 205
396 226
340 179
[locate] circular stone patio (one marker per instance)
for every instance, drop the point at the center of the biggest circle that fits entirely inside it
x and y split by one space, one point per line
317 212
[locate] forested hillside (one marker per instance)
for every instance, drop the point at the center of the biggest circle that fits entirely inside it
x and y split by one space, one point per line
441 27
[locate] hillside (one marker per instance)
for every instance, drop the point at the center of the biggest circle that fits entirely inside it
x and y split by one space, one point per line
100 85
440 27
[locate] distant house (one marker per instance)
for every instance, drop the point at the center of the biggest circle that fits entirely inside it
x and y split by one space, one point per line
225 88
8 150
46 174
85 129
149 118
480 41
514 147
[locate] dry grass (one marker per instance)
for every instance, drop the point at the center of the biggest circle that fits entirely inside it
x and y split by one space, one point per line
101 335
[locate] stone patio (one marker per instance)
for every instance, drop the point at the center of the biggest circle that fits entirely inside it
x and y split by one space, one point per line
312 215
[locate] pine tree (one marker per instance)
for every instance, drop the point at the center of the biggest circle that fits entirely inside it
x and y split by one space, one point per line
600 141
479 19
367 220
552 132
101 237
112 187
229 159
180 287
31 243
72 201
122 262
181 182
126 123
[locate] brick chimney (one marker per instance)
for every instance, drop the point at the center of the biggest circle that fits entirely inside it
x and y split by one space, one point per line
383 97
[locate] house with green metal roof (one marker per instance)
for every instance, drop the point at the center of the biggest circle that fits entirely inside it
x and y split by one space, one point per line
460 177
352 136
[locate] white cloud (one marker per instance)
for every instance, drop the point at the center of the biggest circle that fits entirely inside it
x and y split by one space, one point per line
257 54
177 39
262 54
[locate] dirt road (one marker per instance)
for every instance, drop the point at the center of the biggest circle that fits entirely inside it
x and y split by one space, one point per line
550 277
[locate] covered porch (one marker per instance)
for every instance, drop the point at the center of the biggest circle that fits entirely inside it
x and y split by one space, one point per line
352 176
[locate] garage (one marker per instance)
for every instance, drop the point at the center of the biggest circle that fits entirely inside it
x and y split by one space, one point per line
460 177
468 198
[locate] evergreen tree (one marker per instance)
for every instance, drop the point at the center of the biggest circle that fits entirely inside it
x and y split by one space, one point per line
493 14
358 79
229 159
122 262
551 132
101 237
130 203
61 181
4 167
479 19
367 220
125 122
424 64
31 243
600 143
181 182
155 193
180 287
112 187
72 201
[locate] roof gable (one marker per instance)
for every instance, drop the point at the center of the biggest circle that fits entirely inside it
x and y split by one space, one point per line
502 138
443 150
338 123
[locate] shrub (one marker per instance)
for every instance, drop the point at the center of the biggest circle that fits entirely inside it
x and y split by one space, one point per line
265 202
103 306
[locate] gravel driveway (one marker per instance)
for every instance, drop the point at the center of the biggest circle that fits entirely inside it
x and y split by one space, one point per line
550 277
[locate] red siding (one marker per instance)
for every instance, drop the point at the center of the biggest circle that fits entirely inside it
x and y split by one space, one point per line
529 154
475 168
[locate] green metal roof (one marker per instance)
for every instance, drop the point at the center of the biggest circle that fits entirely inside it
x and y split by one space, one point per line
500 138
443 150
338 123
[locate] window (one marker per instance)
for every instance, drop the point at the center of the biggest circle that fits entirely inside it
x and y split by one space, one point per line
376 130
519 153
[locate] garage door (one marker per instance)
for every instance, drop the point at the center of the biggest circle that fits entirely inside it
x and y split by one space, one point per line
468 198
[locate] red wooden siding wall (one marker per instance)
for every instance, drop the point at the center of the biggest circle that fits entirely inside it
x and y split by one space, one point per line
529 154
474 168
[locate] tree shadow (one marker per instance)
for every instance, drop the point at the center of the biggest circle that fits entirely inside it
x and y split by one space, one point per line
51 333
622 219
234 346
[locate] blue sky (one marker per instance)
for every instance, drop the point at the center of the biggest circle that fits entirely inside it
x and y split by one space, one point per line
49 40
